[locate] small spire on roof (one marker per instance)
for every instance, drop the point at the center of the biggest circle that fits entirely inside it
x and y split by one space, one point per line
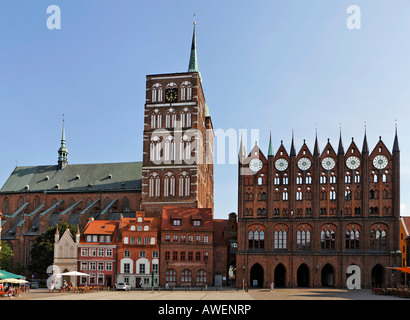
340 149
396 141
292 146
316 150
365 148
270 149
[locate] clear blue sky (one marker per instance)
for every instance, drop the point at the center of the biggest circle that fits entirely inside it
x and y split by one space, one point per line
265 65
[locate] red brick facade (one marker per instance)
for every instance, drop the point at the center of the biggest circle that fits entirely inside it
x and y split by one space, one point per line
304 218
177 144
138 251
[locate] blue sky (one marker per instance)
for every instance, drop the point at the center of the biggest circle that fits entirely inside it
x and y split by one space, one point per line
267 65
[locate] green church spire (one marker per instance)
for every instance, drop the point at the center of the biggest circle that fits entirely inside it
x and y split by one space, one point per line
193 60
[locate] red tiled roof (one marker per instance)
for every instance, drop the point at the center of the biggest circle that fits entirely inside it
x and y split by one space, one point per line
185 215
103 227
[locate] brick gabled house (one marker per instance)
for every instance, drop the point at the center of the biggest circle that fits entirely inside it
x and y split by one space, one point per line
97 253
138 251
186 247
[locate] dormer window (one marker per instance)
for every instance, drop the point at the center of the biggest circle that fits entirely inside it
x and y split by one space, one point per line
176 222
196 223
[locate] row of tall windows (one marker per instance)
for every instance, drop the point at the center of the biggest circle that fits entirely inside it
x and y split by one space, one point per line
171 120
378 239
186 276
185 91
167 150
169 185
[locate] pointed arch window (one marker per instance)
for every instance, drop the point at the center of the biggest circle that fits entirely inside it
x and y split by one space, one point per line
186 118
256 238
327 238
156 119
154 185
169 148
201 276
186 276
20 202
357 177
54 202
155 149
184 184
156 93
171 275
186 91
303 234
169 185
6 204
106 202
171 118
36 202
125 204
378 238
185 148
285 195
352 237
280 237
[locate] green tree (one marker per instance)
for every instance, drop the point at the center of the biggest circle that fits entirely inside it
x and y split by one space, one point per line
6 256
42 252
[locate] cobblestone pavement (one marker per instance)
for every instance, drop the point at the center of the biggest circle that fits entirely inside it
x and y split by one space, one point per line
211 294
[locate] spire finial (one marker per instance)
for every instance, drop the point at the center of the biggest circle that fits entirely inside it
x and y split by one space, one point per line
62 152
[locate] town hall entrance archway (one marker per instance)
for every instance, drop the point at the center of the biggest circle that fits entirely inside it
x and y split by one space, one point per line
256 275
377 276
280 276
328 276
303 276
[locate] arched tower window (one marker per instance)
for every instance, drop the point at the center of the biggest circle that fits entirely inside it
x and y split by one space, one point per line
169 185
186 91
156 93
154 185
184 185
156 119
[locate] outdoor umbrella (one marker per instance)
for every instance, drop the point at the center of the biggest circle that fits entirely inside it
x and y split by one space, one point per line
8 275
403 269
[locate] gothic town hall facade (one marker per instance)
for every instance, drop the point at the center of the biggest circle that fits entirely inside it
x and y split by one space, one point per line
306 216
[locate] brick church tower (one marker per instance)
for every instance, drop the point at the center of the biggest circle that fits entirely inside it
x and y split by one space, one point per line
178 142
